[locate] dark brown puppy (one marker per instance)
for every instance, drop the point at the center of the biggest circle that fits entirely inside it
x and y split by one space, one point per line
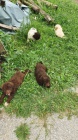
41 75
10 87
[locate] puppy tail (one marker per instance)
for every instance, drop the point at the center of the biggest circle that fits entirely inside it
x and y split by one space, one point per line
27 71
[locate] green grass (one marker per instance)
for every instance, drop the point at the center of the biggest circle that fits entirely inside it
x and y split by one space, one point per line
22 132
59 55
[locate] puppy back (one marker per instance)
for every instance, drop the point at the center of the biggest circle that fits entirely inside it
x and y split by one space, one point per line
40 65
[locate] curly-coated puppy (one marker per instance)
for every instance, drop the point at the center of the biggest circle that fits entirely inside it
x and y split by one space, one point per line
41 75
33 34
10 87
59 31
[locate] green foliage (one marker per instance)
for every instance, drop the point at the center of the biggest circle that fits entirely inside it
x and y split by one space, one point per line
59 55
22 132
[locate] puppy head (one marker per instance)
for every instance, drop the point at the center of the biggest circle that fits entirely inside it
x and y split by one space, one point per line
7 88
58 26
47 82
40 65
36 36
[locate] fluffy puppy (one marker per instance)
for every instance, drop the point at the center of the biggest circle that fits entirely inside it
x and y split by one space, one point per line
59 31
41 76
33 34
10 87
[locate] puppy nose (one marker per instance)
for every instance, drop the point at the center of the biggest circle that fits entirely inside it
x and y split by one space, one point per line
8 92
48 86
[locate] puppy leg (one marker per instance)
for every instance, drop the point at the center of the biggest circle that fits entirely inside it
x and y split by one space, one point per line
6 104
2 98
10 98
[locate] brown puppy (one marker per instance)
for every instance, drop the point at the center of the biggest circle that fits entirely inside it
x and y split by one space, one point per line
10 87
41 76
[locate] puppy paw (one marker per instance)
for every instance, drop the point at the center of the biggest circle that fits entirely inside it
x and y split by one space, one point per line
6 104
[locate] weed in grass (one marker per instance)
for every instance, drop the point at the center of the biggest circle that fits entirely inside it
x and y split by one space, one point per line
22 132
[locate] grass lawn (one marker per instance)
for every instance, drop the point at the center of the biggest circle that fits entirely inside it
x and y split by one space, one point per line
59 55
